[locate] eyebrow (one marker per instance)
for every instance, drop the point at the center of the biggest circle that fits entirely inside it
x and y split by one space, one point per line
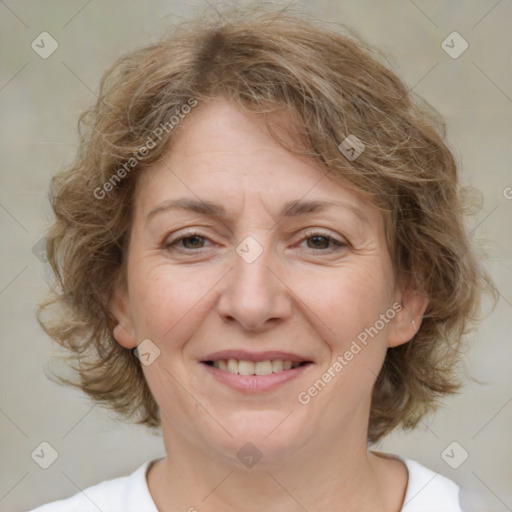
291 209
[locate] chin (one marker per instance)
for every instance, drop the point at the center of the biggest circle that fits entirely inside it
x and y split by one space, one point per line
260 437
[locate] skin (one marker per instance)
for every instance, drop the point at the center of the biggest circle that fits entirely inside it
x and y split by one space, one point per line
302 294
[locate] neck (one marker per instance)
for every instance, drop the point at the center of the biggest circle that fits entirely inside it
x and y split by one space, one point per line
341 475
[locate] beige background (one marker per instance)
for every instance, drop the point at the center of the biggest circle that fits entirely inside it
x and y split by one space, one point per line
40 100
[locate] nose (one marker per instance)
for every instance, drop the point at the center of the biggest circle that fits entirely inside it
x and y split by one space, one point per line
255 295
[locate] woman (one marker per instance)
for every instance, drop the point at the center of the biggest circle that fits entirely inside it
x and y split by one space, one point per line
260 248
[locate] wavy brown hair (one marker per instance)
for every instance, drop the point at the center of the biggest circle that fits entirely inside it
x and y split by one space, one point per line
335 85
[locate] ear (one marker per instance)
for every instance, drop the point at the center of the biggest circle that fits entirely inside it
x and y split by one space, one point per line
123 331
413 302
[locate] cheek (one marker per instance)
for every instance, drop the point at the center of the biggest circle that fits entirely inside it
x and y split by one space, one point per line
348 300
168 300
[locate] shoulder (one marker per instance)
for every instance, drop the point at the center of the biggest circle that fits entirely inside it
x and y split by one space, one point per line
428 490
123 494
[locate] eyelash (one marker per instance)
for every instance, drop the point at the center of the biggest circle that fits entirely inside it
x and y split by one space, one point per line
310 234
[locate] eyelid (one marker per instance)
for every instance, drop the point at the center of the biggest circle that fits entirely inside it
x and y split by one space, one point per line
305 234
321 232
337 244
186 234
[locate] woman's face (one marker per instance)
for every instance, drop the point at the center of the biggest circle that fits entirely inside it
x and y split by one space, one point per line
241 250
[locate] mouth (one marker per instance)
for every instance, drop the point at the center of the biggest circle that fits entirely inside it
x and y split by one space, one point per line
254 372
245 367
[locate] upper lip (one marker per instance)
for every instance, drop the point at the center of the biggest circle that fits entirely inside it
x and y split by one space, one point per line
254 356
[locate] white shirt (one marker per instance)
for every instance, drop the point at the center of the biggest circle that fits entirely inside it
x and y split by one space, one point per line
426 492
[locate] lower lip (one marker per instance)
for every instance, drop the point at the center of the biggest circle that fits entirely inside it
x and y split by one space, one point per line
255 383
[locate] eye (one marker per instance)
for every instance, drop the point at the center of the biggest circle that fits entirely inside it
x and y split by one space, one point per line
321 240
317 240
190 241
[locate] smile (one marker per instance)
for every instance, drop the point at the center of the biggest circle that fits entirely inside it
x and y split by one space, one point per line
244 367
252 373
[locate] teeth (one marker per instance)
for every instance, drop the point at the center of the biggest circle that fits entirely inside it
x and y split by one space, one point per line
263 368
277 365
244 367
232 366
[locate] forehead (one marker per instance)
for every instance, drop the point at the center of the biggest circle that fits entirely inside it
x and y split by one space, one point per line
224 155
